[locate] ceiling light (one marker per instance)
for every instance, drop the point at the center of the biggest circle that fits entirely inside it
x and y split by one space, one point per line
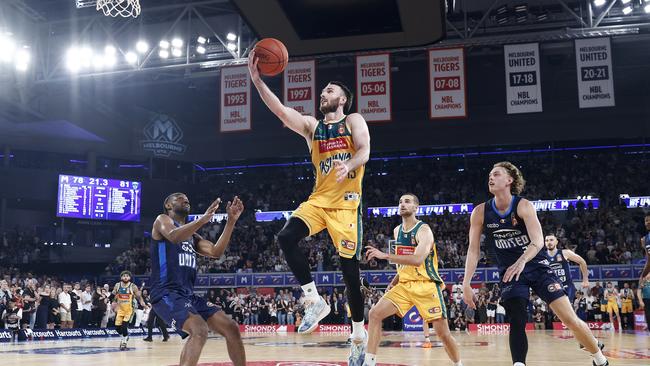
177 42
231 46
163 53
131 57
231 37
627 10
164 44
142 46
599 2
201 40
176 52
109 50
200 49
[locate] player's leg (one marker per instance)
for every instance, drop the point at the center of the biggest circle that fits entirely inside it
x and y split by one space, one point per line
451 347
516 309
150 322
306 220
564 311
219 322
394 301
427 339
197 329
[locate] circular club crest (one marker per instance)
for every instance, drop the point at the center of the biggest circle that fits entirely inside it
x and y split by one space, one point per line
293 363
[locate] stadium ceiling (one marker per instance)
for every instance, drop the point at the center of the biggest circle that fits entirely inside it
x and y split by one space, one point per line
57 30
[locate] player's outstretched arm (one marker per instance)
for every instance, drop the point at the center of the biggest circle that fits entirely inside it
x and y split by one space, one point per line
570 255
473 253
303 125
164 225
424 238
216 250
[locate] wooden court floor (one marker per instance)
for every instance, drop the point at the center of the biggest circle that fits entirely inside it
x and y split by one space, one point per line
545 348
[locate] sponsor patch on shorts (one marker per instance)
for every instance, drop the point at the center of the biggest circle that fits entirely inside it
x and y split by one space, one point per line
348 244
435 310
554 287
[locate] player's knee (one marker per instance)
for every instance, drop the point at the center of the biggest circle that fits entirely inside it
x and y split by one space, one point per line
232 329
375 315
199 331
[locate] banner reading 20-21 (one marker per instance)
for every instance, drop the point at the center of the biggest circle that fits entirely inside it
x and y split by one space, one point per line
594 66
373 87
523 85
235 99
447 83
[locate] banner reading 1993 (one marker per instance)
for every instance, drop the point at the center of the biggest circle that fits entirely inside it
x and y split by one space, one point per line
447 83
300 87
594 67
235 99
373 87
523 86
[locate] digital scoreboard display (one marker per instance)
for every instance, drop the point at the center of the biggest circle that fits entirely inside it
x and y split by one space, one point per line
98 198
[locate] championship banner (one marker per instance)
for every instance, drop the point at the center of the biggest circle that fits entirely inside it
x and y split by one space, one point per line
523 86
299 87
447 86
235 112
594 67
373 87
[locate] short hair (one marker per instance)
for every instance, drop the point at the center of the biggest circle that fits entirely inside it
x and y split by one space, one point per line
415 198
518 181
552 234
348 95
169 198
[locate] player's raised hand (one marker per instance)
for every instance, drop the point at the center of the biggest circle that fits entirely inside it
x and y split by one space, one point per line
514 271
341 170
234 208
207 216
252 66
372 252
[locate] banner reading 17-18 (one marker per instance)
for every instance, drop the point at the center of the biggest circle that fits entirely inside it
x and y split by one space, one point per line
373 87
235 113
523 85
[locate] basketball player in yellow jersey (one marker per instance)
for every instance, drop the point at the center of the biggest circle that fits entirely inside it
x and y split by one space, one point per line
612 296
339 146
125 294
417 282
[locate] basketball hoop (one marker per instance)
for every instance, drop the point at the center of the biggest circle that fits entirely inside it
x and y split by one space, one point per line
123 8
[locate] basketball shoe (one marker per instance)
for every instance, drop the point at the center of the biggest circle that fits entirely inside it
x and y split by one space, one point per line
315 311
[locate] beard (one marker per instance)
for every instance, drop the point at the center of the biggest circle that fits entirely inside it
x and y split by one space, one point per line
182 211
329 107
127 281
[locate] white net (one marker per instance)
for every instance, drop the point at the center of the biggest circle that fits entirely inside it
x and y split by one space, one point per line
122 8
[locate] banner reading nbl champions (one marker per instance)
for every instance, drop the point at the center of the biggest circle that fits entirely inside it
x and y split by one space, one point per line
300 87
594 67
447 88
523 85
373 87
235 99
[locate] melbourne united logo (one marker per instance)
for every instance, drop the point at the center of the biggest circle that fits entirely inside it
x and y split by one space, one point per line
163 136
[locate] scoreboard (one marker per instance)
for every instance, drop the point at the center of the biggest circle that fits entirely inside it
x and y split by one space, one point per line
98 198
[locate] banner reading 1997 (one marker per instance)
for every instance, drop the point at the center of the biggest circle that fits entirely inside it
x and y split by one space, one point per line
235 99
300 87
373 87
523 86
594 67
447 83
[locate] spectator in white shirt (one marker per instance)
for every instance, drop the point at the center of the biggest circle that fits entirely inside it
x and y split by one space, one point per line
65 311
86 304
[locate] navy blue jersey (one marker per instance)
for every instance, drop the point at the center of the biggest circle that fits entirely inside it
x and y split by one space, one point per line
173 268
506 236
560 265
647 244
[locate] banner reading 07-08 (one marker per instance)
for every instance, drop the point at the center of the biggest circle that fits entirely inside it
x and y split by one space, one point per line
523 85
373 87
447 88
235 99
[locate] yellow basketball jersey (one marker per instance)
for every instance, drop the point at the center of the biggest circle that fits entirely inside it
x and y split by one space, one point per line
406 244
610 295
333 141
125 298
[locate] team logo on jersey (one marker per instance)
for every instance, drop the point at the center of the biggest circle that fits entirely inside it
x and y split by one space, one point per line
558 258
503 221
413 241
554 287
348 244
341 129
514 220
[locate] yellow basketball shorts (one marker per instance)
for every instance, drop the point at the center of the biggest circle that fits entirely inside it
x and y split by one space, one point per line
123 315
343 225
627 307
426 296
612 306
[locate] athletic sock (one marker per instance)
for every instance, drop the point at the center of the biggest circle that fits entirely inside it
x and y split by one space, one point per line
518 364
459 363
369 360
427 339
599 358
310 291
358 331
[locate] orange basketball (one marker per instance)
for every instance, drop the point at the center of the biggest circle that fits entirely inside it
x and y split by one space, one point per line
272 55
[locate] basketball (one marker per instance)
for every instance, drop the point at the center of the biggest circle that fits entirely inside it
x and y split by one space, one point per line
273 56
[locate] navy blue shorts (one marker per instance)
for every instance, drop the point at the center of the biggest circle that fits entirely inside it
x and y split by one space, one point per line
174 309
542 280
